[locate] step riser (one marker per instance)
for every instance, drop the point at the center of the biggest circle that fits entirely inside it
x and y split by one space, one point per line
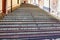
27 36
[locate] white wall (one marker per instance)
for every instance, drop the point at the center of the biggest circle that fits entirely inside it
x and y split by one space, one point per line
0 5
8 4
20 2
54 8
58 7
46 5
14 2
36 2
32 1
29 1
41 3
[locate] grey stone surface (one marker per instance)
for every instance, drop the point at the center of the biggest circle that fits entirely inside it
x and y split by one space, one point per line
29 13
30 18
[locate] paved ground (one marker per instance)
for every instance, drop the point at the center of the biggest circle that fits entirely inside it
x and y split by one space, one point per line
30 21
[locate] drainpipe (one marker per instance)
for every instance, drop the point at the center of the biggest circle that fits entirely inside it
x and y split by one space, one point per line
11 5
17 1
49 5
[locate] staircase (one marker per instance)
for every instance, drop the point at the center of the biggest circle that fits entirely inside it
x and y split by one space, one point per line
28 22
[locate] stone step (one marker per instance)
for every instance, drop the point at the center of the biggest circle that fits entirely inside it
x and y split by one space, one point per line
28 35
28 22
27 29
21 20
31 24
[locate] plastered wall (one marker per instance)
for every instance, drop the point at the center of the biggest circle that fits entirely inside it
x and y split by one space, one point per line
55 8
14 4
8 4
0 6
